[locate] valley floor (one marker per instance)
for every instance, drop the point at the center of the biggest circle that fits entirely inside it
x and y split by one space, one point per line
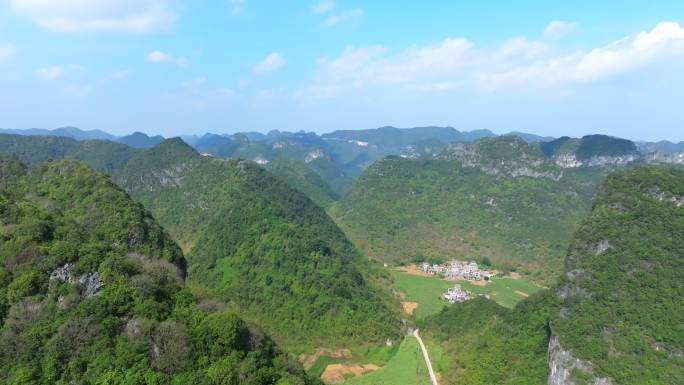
422 295
407 367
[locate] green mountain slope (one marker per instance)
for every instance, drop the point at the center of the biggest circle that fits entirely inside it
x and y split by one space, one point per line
104 155
303 178
484 343
625 269
615 317
141 140
91 292
264 247
590 146
497 197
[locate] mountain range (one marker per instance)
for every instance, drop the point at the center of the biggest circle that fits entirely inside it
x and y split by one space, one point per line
220 211
163 262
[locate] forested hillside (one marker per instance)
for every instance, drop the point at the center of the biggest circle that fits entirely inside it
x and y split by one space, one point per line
616 315
303 178
104 155
497 197
263 247
92 293
622 298
484 343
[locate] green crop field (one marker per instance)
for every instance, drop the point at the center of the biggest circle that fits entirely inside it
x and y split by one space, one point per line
505 291
427 291
407 367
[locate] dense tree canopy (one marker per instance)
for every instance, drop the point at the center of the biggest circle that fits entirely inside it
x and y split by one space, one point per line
91 292
264 247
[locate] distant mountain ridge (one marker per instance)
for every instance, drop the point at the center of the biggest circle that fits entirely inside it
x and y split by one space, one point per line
141 140
69 132
340 157
664 146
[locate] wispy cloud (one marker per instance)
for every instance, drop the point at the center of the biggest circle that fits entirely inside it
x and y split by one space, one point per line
271 62
136 16
77 91
117 75
344 17
559 28
456 63
163 57
198 94
237 6
323 6
7 50
50 73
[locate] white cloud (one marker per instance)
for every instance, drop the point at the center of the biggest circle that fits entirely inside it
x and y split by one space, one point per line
667 38
54 72
323 6
456 63
163 57
271 62
559 28
348 16
7 50
117 75
137 16
195 83
237 6
77 91
199 94
158 57
182 61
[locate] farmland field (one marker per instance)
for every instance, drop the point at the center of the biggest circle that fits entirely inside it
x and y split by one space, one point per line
506 291
407 367
427 291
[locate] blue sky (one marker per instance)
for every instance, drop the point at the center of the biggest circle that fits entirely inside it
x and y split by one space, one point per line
172 66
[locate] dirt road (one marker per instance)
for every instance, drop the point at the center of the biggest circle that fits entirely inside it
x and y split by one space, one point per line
428 363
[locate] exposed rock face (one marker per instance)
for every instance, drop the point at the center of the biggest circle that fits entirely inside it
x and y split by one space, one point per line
62 274
315 154
569 160
660 157
562 365
666 196
503 156
603 246
171 177
89 284
620 160
261 160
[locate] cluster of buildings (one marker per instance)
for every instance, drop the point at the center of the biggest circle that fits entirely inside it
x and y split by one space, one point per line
456 294
458 270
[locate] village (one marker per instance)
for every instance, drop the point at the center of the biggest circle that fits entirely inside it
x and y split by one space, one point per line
458 270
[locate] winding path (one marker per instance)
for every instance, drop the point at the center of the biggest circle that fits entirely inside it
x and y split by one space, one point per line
428 363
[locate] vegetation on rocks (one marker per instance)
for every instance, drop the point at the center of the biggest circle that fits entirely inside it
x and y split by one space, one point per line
91 292
618 308
461 207
622 299
265 248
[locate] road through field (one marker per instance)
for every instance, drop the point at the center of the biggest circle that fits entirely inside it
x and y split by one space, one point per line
428 363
